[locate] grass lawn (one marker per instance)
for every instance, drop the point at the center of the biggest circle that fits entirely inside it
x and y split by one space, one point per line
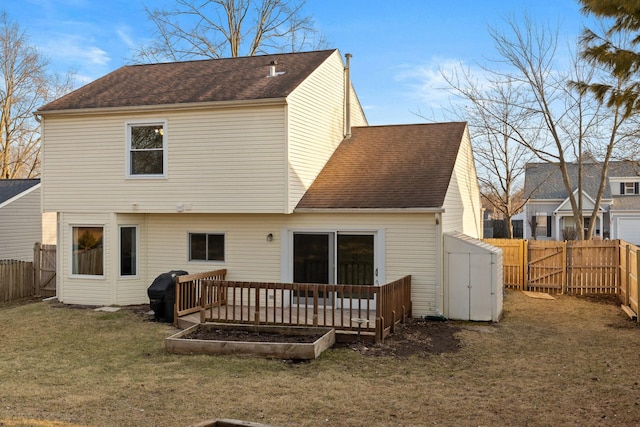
568 361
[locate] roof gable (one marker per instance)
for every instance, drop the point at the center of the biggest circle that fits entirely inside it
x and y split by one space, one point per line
388 167
226 79
587 203
10 188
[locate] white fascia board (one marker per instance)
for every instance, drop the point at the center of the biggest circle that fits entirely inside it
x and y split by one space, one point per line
20 195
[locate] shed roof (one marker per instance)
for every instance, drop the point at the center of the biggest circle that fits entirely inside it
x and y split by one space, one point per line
226 79
388 167
10 188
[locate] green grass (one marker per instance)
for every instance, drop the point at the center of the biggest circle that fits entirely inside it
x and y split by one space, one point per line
565 362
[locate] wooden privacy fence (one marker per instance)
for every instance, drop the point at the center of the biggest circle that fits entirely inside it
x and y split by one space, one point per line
22 279
16 280
572 267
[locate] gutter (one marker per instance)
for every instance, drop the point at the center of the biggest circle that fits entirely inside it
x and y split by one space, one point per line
369 210
164 107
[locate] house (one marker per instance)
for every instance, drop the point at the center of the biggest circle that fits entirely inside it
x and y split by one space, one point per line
550 209
264 166
22 222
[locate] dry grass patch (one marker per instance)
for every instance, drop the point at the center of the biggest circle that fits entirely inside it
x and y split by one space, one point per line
569 361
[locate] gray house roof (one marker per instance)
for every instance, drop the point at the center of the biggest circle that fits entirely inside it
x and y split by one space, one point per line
226 79
544 180
12 187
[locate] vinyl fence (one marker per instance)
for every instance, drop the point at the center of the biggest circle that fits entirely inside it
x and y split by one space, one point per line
572 267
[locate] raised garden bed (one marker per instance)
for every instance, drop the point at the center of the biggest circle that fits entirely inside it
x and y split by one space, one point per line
285 342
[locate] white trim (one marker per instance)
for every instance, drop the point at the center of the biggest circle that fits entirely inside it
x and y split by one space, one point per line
368 210
20 195
206 261
165 148
103 276
165 107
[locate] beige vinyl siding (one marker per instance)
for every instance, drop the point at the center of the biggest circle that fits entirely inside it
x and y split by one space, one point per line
98 290
219 160
20 226
316 111
409 248
462 207
49 228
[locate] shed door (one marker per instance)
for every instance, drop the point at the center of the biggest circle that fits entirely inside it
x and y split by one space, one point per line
459 300
469 287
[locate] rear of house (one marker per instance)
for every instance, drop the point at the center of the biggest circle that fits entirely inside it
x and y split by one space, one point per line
225 170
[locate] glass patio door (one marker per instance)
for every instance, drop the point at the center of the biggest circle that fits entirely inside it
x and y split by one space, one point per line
312 263
334 257
355 266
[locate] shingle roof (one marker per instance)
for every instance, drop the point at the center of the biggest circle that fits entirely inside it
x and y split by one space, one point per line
12 187
227 79
544 180
388 167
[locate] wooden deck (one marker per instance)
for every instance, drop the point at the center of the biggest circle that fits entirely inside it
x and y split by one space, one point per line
350 309
343 320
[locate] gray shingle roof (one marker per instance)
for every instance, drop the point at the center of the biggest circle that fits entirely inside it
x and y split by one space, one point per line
388 167
227 79
544 180
12 187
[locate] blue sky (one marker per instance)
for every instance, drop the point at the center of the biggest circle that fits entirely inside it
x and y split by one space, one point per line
398 46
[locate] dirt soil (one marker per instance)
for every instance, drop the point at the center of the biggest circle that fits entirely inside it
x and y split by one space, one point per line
249 336
412 338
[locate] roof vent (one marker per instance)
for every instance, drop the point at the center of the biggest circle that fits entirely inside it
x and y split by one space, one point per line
272 69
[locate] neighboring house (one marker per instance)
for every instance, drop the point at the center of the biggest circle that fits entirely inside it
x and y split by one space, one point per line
549 207
261 165
22 222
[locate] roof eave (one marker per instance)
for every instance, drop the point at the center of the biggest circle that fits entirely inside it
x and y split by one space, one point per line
165 107
369 210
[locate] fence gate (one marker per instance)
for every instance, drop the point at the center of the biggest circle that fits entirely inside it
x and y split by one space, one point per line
44 258
547 261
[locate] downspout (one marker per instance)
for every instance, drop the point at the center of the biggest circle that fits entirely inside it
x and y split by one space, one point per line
347 97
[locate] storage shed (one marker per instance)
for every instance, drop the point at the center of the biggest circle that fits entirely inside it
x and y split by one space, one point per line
473 283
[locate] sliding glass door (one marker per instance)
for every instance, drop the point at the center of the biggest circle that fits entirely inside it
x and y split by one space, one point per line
334 258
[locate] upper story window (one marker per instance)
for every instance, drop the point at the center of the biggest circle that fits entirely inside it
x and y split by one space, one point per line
147 149
629 188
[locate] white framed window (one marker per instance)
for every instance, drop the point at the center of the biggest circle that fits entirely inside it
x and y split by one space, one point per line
128 250
87 250
147 149
207 247
629 188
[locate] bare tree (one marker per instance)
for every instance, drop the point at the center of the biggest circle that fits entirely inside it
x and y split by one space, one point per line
211 29
492 114
24 86
548 116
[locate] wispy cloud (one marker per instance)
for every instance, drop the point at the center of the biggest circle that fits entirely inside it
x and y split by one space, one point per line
76 50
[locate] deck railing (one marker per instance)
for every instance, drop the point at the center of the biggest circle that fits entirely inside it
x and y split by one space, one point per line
373 310
189 290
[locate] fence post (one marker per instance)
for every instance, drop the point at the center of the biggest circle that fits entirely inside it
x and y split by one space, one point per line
637 285
525 265
628 281
565 267
37 257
